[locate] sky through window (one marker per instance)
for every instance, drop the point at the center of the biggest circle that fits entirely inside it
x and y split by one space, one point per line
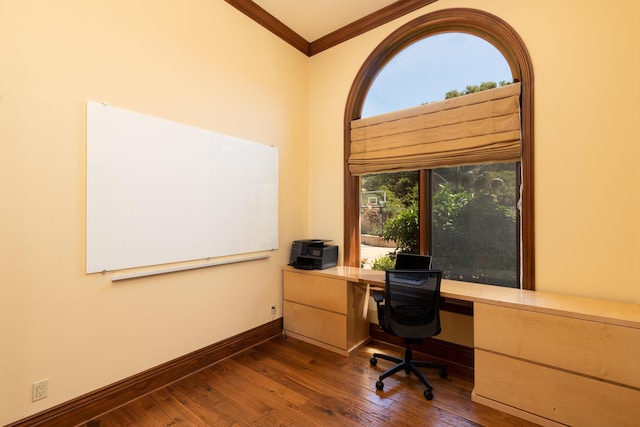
426 70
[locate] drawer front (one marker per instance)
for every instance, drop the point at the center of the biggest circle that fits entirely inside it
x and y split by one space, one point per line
600 350
321 325
315 291
554 394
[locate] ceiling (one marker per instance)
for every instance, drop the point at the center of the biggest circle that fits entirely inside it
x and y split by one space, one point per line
312 26
313 19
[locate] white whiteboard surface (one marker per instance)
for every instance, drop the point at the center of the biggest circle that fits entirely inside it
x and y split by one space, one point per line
161 192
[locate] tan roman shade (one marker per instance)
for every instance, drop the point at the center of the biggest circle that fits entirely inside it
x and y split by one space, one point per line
482 127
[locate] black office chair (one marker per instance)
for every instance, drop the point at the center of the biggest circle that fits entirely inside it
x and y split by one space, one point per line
410 308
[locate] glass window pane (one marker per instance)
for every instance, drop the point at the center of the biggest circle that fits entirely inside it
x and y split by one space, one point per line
474 223
388 217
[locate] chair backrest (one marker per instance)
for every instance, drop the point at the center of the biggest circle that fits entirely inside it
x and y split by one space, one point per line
412 303
406 261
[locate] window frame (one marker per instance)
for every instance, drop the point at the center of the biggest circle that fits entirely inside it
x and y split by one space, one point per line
508 42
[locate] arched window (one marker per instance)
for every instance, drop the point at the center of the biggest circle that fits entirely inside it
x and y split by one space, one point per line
396 156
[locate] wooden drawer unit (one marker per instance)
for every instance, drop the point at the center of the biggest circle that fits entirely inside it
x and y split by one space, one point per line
552 396
561 368
325 311
321 292
320 325
600 350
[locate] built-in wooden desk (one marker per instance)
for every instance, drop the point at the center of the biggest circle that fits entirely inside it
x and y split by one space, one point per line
552 359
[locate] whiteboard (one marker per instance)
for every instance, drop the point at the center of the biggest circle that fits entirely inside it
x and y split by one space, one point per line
160 192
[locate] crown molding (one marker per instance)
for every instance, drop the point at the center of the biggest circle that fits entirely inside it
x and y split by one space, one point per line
367 23
362 25
271 23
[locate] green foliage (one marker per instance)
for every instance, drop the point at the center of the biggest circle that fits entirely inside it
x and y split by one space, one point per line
384 262
480 245
474 88
401 189
447 206
474 228
403 229
497 179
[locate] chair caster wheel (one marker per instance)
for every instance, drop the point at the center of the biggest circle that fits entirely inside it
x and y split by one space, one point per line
379 385
443 373
428 394
373 361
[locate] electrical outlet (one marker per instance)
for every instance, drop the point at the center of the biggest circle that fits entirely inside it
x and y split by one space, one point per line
40 390
273 310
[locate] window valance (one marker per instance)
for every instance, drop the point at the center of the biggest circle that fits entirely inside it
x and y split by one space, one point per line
482 127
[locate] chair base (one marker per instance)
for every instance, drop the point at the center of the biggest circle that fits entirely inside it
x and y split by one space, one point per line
409 366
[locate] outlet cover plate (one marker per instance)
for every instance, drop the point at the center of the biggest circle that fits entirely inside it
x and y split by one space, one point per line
40 390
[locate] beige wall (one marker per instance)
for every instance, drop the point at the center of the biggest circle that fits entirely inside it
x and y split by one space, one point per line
586 57
201 63
204 64
586 60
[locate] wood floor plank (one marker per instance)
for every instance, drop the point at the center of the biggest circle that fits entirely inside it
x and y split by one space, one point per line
363 376
200 398
287 382
328 391
316 402
251 387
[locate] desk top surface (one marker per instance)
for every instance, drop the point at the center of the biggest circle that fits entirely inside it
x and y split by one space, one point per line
604 311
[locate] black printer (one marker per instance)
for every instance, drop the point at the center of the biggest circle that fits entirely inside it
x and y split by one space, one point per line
313 254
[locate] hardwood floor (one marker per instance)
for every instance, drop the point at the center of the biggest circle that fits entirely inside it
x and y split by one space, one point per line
287 382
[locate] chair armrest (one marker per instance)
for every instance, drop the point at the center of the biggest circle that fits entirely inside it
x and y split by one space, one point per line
378 296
